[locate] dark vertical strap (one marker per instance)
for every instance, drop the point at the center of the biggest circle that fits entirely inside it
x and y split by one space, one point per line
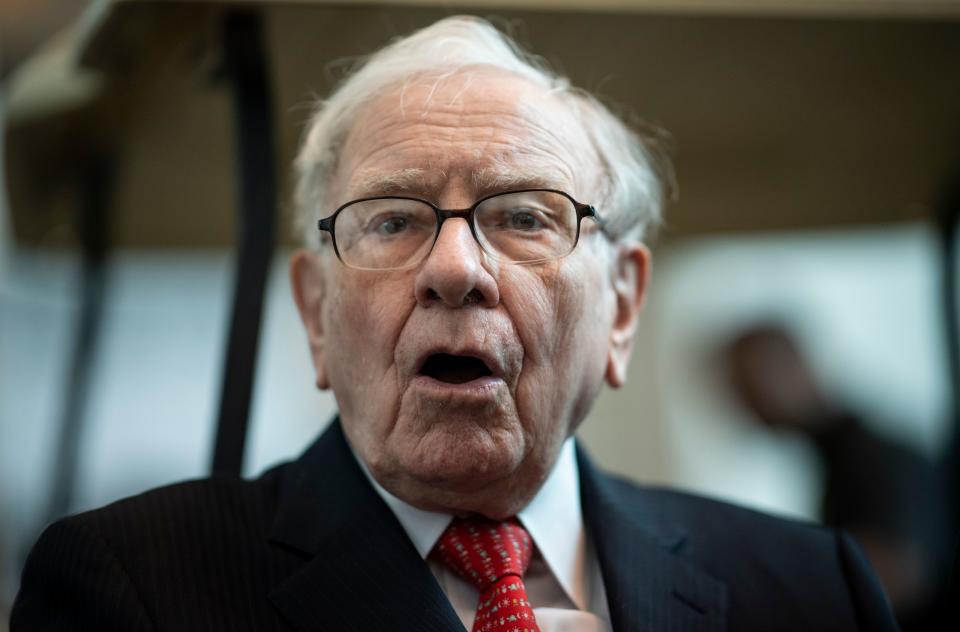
949 219
93 228
256 201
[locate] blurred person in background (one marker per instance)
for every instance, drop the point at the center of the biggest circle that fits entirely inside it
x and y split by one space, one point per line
891 498
465 302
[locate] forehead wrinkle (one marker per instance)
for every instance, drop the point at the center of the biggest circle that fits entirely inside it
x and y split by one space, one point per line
538 165
567 142
532 153
432 83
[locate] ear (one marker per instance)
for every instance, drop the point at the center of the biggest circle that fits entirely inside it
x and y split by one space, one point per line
308 285
630 281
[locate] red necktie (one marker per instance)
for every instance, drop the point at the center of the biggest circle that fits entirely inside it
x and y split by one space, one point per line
493 556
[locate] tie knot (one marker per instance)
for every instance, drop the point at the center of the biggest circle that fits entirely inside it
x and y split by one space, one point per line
484 551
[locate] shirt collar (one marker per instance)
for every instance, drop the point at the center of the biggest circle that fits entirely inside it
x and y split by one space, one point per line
555 522
553 519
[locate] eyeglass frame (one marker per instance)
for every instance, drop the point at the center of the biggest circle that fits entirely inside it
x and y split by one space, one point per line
328 224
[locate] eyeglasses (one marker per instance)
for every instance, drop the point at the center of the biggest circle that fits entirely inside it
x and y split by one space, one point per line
394 232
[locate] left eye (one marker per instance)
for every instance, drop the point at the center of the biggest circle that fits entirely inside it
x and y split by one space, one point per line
519 219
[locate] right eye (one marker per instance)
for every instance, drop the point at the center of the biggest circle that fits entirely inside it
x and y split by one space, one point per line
391 225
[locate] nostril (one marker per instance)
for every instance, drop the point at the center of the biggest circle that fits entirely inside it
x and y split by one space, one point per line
473 297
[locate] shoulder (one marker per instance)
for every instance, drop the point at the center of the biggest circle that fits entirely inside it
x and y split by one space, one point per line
726 524
711 520
187 509
128 564
723 535
218 520
739 543
774 567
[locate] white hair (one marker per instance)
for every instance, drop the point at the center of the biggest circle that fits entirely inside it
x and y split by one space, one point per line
636 173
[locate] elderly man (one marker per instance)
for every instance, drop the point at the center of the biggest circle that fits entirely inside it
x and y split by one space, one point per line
465 302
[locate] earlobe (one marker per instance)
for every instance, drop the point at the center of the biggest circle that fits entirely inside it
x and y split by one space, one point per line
308 286
630 281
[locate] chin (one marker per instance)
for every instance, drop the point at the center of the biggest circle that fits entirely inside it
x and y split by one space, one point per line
452 443
465 456
455 468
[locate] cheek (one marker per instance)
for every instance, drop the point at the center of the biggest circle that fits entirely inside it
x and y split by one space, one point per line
555 312
366 316
581 335
562 320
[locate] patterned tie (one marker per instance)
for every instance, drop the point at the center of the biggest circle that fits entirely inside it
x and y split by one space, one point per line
493 556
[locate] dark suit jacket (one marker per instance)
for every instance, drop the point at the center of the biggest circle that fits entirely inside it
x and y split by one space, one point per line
311 546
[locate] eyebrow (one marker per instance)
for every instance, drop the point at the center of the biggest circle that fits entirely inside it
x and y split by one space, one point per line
429 181
492 180
375 182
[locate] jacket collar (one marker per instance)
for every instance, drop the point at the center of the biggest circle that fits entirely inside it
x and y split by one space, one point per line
649 585
361 571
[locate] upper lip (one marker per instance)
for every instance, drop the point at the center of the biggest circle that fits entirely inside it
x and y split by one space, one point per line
493 363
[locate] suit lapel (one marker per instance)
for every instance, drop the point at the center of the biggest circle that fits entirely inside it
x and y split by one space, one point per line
361 571
649 586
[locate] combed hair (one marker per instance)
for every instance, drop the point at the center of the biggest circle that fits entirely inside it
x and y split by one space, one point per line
637 175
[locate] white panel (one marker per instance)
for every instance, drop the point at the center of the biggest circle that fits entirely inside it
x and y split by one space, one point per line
37 311
157 373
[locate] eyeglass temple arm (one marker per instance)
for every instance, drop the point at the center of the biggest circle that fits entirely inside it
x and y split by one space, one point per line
587 210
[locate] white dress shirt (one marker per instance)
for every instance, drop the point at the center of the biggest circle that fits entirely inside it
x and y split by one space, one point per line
563 583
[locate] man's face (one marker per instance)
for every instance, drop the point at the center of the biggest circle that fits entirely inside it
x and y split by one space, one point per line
458 380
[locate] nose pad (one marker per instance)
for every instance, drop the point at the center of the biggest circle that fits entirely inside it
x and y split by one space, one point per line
454 271
456 233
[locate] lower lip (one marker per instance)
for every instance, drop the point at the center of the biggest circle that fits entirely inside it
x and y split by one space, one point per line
481 388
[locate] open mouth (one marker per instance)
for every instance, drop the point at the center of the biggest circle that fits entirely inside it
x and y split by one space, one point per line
454 369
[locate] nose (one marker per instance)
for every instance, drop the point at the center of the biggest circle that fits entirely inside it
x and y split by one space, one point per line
453 272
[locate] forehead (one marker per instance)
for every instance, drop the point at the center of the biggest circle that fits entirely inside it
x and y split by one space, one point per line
481 129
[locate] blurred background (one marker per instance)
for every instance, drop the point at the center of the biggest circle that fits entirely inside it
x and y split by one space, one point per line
798 352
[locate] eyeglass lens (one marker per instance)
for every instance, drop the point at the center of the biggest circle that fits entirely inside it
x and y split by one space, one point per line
519 227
